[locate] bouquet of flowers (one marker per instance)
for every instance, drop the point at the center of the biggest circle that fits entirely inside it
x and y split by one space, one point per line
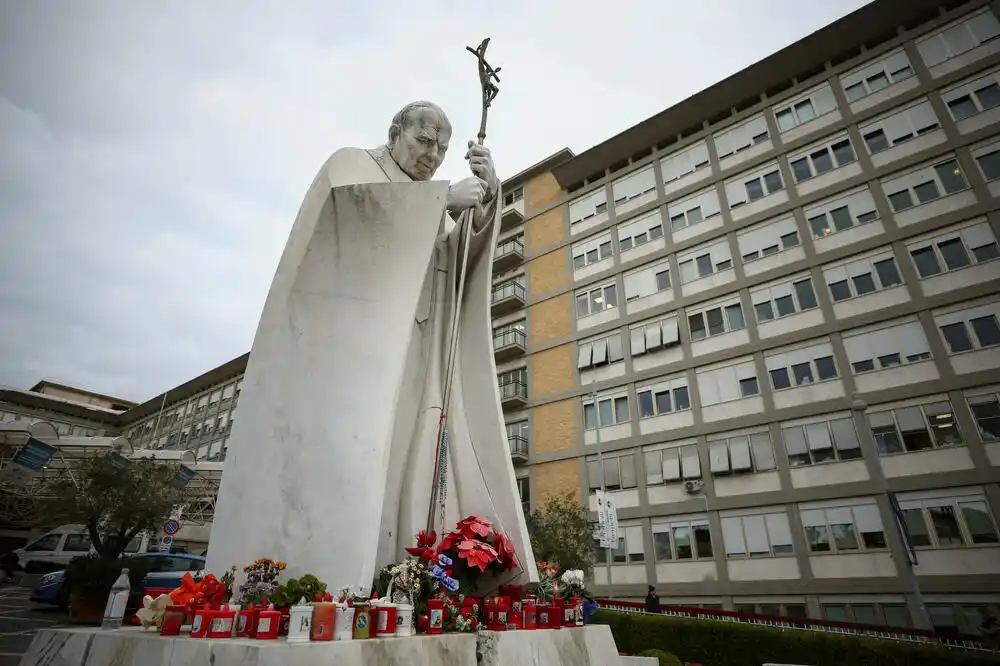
261 580
473 548
548 585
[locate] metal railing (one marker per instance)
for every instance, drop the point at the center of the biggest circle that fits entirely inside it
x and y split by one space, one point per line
512 289
507 338
513 389
518 445
509 246
947 639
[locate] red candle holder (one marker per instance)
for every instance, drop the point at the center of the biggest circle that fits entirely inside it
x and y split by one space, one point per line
173 620
246 622
435 611
268 625
221 625
199 625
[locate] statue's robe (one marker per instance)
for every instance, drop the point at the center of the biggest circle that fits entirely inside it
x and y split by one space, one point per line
331 462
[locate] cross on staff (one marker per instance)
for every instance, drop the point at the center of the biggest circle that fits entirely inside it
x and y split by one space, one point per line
488 80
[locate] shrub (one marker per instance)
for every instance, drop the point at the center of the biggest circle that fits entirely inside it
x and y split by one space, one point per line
731 644
91 576
665 658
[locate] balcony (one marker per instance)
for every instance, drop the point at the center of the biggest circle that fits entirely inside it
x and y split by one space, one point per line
513 394
509 254
507 297
512 214
518 448
509 344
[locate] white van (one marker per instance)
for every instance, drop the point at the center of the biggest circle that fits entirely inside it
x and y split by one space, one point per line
54 550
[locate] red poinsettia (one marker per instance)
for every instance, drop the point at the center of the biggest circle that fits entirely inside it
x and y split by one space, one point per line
477 553
472 526
425 545
505 552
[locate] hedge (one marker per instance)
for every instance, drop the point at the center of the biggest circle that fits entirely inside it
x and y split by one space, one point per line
715 643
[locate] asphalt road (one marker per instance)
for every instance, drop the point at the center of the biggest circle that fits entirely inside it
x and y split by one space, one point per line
19 619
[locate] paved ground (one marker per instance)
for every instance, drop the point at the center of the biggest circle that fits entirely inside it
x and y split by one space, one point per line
19 619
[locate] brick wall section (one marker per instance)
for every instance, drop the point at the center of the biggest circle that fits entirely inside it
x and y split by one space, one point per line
555 426
545 230
548 273
552 371
553 479
549 319
541 191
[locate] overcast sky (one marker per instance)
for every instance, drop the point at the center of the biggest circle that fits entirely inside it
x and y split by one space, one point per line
153 154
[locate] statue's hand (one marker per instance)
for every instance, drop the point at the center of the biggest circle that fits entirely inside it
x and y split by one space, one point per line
481 163
466 193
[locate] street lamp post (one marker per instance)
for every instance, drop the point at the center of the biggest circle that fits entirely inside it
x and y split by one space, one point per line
860 407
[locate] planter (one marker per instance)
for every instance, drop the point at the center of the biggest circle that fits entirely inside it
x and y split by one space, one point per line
83 610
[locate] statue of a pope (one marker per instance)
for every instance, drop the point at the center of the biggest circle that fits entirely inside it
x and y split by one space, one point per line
332 457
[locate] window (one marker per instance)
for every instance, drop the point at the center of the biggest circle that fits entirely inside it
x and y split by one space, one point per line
613 410
634 185
863 275
817 442
77 543
742 137
694 210
819 101
972 98
842 212
954 249
679 539
970 328
599 299
704 261
588 206
947 522
647 280
749 187
667 396
591 251
638 232
891 69
508 289
986 410
629 549
925 185
524 492
821 158
799 367
515 195
847 529
915 428
227 392
603 351
736 454
677 463
509 334
898 127
760 535
887 346
619 472
727 383
958 37
781 300
717 319
768 238
653 336
988 159
45 543
686 162
513 383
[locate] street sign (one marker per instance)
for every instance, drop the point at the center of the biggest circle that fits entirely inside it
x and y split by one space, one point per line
165 542
612 509
34 455
171 527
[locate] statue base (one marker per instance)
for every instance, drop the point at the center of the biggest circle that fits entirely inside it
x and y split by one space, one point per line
582 646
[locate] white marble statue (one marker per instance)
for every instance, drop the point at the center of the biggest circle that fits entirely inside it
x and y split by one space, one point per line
332 455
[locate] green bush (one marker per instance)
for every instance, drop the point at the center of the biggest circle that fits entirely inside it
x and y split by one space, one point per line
730 644
665 658
92 576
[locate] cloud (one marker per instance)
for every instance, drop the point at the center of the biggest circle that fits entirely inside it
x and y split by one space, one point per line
153 156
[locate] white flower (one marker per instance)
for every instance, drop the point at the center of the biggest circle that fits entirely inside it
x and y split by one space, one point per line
573 577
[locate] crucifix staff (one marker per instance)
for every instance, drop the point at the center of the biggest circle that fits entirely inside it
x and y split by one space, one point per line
488 80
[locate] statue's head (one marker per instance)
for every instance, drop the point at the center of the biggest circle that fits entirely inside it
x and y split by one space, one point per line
418 139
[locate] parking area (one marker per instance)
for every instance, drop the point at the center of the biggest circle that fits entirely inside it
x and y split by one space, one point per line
19 619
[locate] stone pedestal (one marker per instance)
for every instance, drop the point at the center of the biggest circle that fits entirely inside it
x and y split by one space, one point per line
586 646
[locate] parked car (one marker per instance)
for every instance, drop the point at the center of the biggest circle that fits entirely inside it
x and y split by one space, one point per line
53 550
165 572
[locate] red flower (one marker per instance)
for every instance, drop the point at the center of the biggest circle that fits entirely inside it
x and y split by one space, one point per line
424 543
505 552
449 542
477 553
475 525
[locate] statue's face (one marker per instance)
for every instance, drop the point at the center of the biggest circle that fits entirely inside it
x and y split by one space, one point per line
420 148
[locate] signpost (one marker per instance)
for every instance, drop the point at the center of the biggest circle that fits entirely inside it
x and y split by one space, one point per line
170 528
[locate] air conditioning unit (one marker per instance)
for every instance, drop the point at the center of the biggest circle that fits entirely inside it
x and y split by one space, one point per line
693 487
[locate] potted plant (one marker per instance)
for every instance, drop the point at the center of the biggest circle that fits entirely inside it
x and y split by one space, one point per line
288 594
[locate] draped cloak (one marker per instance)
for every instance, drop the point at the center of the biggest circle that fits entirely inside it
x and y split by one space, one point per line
332 455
